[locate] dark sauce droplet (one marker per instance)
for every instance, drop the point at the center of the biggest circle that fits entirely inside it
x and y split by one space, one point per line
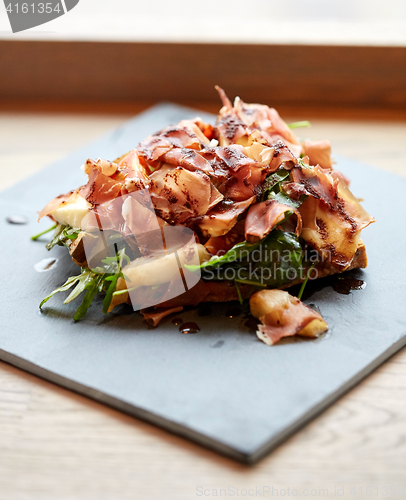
251 323
204 310
177 321
341 283
344 284
189 327
233 312
17 219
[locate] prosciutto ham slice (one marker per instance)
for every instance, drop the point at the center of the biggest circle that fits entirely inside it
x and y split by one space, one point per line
236 123
179 194
318 152
332 217
186 135
282 315
100 188
265 216
106 216
187 158
223 217
136 176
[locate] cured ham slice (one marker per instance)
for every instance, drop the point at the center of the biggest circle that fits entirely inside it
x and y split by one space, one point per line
235 124
265 216
186 135
215 197
198 128
100 188
282 154
318 152
135 173
178 194
238 177
282 315
332 217
106 216
187 158
219 245
223 217
264 118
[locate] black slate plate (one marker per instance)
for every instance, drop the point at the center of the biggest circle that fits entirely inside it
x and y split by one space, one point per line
222 387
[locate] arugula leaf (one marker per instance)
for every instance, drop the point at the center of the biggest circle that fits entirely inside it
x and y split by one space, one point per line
273 181
235 253
273 261
303 164
274 190
277 261
84 279
285 199
241 300
93 281
62 234
35 237
302 288
109 294
94 286
68 284
304 123
118 264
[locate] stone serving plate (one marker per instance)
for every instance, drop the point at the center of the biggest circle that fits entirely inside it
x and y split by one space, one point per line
222 387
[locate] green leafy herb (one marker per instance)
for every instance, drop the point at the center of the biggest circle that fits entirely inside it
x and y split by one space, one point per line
85 278
116 264
68 284
273 261
93 281
285 199
235 253
109 294
238 292
277 261
302 288
304 123
62 234
274 190
34 238
94 286
303 164
273 181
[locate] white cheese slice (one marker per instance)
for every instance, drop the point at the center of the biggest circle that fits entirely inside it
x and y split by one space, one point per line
72 211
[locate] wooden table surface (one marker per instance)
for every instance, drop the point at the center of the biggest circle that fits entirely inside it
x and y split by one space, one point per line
56 445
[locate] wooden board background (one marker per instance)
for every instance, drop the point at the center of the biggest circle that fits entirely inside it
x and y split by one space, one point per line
289 75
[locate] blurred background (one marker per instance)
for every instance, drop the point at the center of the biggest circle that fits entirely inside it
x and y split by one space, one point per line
104 61
314 53
372 22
